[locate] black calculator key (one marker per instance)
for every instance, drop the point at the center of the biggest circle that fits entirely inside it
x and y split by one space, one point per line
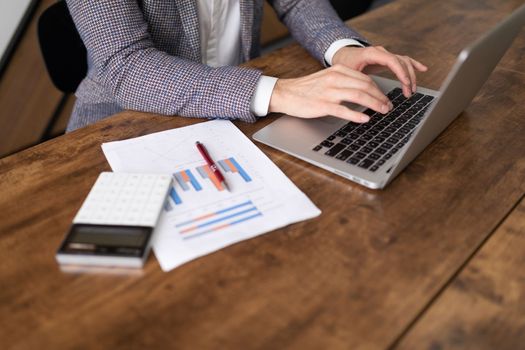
317 148
353 160
327 144
374 168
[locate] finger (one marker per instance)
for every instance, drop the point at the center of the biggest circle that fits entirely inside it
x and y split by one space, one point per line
340 111
359 97
392 62
411 71
419 66
407 89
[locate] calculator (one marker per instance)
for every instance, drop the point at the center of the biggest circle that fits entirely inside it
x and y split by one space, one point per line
115 224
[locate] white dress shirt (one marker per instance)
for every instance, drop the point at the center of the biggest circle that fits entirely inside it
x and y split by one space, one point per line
220 34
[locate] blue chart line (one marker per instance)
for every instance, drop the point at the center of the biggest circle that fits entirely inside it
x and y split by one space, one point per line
224 218
218 212
218 220
229 224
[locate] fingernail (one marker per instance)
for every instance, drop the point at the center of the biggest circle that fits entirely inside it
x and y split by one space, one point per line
414 88
390 106
384 109
365 119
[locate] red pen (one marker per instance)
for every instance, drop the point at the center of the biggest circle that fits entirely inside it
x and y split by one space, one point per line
211 164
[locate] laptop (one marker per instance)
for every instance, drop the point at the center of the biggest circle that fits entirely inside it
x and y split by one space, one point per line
374 153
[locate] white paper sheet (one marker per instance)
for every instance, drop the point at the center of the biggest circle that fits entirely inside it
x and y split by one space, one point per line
200 217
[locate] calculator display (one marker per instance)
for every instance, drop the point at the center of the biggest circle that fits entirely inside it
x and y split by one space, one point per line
106 240
109 235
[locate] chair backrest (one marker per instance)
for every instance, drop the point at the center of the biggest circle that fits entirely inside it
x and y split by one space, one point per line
64 52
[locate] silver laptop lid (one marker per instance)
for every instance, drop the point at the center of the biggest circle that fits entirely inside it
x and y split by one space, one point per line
472 68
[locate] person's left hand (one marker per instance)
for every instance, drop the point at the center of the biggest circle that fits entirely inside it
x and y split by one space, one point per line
371 59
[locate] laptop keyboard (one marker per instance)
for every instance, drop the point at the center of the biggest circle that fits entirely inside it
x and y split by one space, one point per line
371 144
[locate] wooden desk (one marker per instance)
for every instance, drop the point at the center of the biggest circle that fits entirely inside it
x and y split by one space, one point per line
434 261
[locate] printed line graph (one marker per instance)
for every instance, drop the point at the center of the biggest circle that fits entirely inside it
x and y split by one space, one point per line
218 220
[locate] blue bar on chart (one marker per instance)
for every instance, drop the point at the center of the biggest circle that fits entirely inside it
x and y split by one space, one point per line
175 196
230 165
186 177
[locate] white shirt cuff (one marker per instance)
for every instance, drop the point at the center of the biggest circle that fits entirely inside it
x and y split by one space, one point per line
336 46
263 93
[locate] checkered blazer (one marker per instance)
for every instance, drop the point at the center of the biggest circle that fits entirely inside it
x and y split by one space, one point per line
145 55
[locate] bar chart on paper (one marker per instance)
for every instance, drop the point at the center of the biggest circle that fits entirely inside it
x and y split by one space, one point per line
185 180
201 215
209 208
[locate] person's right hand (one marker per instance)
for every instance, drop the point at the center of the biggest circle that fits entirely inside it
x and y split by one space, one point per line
321 94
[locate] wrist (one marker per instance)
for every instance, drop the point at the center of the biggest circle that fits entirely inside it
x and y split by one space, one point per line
339 56
277 96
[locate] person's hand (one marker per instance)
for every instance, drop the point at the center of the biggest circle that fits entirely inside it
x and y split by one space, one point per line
322 93
371 59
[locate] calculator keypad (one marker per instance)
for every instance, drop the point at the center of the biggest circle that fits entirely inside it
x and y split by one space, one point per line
125 199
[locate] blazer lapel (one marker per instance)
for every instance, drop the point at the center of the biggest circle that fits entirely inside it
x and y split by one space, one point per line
190 23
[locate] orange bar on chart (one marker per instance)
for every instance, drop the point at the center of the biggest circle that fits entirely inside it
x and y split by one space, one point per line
213 179
230 164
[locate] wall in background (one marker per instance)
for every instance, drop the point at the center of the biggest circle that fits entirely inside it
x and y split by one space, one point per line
12 13
31 108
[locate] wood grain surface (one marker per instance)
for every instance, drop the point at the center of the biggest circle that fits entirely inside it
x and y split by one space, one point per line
358 277
483 307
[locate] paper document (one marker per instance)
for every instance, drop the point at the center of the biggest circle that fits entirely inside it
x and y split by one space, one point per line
200 216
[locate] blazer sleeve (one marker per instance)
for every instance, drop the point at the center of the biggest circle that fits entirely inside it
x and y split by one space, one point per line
314 24
141 77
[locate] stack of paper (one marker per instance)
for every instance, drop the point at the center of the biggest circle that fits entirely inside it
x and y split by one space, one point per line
200 216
